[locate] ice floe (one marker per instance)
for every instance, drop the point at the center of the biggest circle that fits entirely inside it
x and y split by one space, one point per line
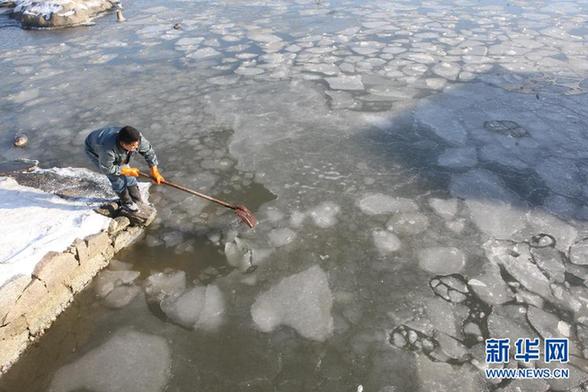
302 301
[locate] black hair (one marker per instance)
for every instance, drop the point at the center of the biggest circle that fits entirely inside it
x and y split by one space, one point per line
128 134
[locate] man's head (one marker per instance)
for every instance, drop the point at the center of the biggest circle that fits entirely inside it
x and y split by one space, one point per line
129 138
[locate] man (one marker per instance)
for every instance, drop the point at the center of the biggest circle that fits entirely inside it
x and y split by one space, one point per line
111 150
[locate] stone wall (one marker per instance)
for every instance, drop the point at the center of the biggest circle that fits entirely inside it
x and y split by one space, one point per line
30 304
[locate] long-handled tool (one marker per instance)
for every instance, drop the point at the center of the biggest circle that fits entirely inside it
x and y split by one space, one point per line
240 210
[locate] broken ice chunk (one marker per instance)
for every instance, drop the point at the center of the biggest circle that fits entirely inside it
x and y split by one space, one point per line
579 253
442 260
302 301
447 70
281 237
490 287
129 361
198 308
378 203
239 254
444 208
408 223
108 280
164 284
548 325
385 241
345 82
325 214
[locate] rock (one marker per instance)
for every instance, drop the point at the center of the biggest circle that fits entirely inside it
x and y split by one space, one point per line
10 292
11 347
58 13
17 166
98 244
55 269
81 250
127 237
143 217
21 140
118 224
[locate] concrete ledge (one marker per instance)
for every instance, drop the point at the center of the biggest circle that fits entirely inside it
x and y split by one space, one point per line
30 304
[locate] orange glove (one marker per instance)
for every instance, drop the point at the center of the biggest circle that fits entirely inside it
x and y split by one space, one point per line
157 177
129 171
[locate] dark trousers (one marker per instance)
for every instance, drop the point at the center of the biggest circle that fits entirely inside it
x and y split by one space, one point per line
119 183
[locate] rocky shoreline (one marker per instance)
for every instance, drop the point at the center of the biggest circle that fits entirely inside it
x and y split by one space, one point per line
29 303
38 14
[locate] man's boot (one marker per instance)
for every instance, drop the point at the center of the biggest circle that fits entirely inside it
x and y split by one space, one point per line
135 193
127 202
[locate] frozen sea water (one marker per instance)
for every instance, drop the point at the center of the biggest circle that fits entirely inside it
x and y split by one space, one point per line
302 301
416 167
130 361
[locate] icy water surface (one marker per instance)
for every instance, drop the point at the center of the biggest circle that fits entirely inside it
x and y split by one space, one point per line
418 169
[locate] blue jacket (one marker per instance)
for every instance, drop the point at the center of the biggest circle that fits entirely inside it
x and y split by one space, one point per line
103 145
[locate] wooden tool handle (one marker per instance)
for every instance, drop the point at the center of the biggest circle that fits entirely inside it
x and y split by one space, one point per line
193 192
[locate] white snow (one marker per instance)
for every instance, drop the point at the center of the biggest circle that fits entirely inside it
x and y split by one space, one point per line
36 222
